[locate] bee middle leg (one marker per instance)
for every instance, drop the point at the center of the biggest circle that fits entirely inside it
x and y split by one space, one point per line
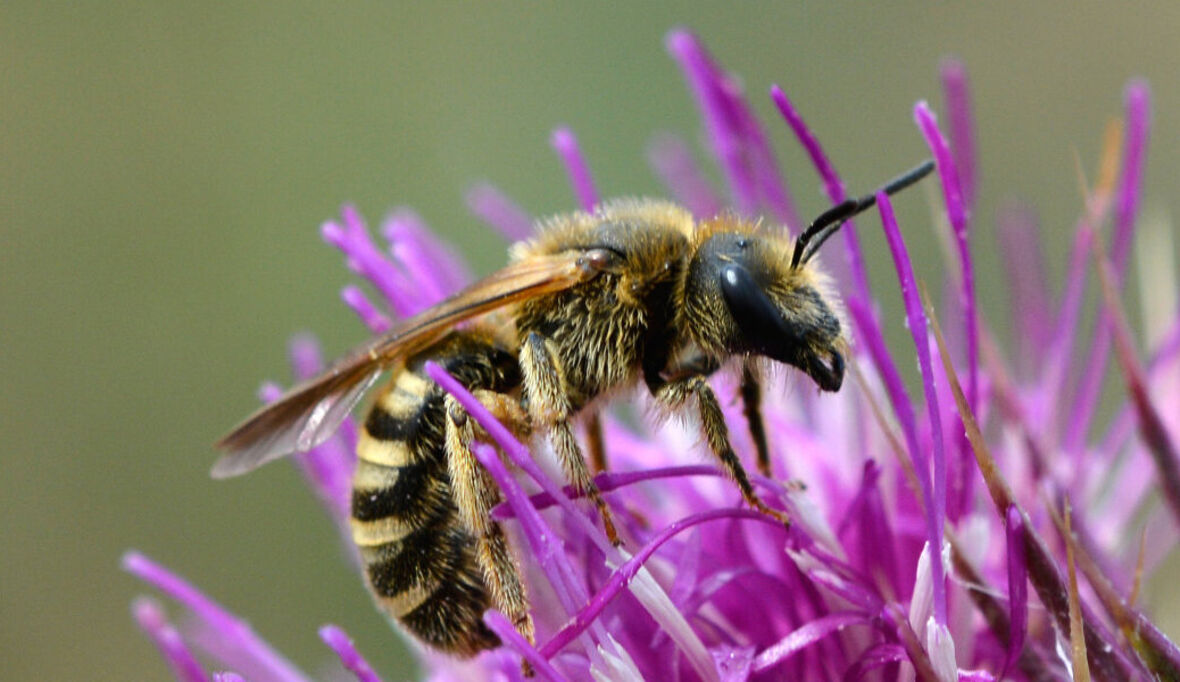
549 408
595 442
678 391
475 495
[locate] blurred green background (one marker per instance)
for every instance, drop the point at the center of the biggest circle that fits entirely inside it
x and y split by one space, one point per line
164 168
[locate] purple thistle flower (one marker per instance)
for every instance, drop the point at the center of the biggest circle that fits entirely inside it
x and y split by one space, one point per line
899 565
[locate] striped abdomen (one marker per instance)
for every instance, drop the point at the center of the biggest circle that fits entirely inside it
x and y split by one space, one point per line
419 558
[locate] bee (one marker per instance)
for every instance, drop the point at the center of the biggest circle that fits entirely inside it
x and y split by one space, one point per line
637 292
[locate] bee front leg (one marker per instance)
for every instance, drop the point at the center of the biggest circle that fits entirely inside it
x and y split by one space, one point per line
549 409
680 390
475 496
751 392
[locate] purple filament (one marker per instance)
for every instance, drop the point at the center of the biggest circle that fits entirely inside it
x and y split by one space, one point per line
936 513
339 641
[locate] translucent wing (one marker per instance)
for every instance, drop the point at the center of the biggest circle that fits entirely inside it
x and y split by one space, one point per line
310 412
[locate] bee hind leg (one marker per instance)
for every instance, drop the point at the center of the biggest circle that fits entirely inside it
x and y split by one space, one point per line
549 409
475 495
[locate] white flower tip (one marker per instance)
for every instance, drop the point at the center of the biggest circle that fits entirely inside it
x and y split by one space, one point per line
941 648
922 603
615 664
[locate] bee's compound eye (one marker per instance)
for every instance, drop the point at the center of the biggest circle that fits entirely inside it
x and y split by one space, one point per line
763 329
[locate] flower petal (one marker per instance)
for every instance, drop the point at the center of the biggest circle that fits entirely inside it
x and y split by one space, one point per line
364 258
495 208
805 636
356 299
566 145
916 318
499 624
225 636
1138 113
152 621
673 161
339 641
833 186
431 265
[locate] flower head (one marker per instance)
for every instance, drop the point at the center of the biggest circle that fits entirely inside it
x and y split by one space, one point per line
919 522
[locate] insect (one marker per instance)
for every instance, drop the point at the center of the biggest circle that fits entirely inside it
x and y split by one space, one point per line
636 292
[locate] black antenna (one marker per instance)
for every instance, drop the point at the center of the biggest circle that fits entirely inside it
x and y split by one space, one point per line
830 220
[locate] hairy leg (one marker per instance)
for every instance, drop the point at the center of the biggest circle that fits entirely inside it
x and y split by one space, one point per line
675 393
549 410
595 442
475 495
751 392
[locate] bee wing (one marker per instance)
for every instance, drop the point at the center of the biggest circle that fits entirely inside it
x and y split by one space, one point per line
311 411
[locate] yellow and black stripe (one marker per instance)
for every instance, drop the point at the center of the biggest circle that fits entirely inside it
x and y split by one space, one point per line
419 558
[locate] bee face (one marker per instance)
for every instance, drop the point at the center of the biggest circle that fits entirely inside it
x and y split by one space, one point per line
742 297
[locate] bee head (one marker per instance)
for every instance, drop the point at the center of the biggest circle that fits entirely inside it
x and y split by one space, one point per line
750 292
743 295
